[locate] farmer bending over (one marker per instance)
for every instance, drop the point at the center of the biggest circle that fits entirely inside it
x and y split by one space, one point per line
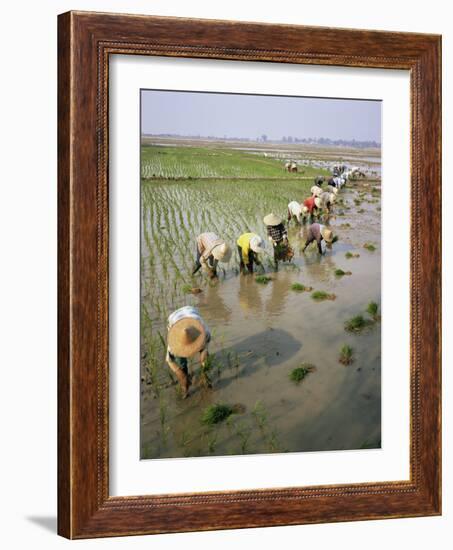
187 336
250 246
294 211
278 236
312 204
211 249
318 232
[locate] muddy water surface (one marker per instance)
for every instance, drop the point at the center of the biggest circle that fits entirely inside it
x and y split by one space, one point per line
260 332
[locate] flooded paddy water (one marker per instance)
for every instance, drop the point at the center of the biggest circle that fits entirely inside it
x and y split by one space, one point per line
260 333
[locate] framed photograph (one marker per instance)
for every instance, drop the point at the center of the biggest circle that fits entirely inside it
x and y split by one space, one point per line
249 275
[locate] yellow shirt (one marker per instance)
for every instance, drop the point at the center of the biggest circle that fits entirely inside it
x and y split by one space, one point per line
244 243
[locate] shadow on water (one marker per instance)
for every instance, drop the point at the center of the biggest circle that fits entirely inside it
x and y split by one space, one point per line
268 348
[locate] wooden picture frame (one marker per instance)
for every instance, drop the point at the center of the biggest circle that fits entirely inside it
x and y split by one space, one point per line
85 41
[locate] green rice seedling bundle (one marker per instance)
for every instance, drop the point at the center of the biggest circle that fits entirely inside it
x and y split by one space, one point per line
214 414
346 353
299 373
263 279
372 309
340 273
356 323
321 295
299 287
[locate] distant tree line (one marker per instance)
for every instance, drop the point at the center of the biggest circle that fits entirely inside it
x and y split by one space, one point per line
285 139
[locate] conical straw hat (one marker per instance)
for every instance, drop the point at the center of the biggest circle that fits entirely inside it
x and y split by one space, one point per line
257 245
222 253
272 219
186 337
327 234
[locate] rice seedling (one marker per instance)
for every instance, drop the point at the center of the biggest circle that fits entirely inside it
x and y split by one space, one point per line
214 414
189 289
356 323
372 309
321 295
335 239
350 255
260 415
299 373
370 247
263 279
299 287
243 432
212 443
346 355
360 211
341 273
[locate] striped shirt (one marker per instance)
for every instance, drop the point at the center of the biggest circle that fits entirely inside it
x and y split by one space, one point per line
276 232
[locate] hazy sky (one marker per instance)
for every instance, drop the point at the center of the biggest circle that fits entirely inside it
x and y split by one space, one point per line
235 115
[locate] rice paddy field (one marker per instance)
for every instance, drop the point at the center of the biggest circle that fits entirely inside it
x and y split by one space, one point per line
295 358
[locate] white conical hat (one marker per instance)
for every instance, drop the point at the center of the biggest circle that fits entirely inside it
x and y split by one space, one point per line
222 252
272 219
257 245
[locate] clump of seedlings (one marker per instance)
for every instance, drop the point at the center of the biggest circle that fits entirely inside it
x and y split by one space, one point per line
263 279
370 247
335 239
321 295
372 309
340 273
214 414
360 211
346 355
345 225
299 287
356 323
187 289
299 373
350 255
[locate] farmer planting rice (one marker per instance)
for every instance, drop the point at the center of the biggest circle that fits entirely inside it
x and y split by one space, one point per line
250 247
318 232
319 180
278 236
187 336
312 205
315 191
294 211
327 200
211 249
